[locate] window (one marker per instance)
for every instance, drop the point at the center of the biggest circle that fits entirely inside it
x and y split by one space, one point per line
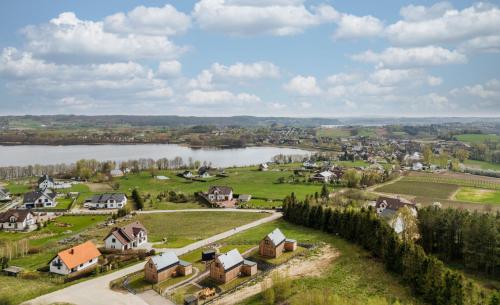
81 265
113 240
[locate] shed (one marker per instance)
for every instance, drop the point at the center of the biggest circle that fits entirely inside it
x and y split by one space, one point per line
208 255
13 270
190 300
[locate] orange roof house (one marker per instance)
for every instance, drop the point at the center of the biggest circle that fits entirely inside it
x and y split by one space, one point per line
75 259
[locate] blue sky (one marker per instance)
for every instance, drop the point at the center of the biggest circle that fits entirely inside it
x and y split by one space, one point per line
250 57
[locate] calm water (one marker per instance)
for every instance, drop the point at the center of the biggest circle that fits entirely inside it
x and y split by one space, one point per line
41 154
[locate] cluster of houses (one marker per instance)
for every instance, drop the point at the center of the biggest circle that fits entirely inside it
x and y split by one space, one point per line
203 173
223 268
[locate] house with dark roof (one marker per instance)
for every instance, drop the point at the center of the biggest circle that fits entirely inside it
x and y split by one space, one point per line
226 267
106 201
164 266
39 199
81 258
220 193
127 237
45 182
388 207
275 243
17 220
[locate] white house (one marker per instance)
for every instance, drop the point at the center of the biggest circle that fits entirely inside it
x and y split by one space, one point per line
17 220
39 199
106 201
45 182
187 175
116 173
417 166
325 176
220 193
76 259
388 208
130 236
263 167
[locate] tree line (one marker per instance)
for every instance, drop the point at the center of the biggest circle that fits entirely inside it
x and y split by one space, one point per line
427 275
471 239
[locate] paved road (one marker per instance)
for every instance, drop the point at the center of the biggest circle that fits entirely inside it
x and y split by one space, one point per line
96 291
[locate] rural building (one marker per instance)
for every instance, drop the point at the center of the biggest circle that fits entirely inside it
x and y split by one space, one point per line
116 173
106 201
164 266
220 193
187 175
309 164
388 208
275 243
4 195
45 182
325 176
77 259
39 199
417 166
263 167
208 255
17 220
130 236
244 198
227 267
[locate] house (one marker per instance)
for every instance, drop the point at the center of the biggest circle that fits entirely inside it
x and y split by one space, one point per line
45 182
263 167
244 198
130 236
106 201
187 175
388 208
17 220
226 267
83 257
116 173
309 164
325 176
275 243
39 199
220 193
203 172
4 195
417 166
165 265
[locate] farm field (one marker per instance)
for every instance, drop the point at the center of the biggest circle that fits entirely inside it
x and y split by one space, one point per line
478 138
418 188
333 132
482 165
455 178
478 195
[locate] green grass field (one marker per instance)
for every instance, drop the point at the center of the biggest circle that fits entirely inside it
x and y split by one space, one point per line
333 132
478 138
478 195
455 178
184 228
482 165
244 180
414 188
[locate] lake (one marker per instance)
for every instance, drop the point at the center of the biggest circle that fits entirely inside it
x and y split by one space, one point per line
22 155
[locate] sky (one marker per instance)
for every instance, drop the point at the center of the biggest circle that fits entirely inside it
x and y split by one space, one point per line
250 57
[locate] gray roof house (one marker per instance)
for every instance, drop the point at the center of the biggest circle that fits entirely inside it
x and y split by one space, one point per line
106 201
39 199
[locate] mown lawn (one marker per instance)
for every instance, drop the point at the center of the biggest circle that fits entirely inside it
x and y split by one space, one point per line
478 138
353 274
188 227
478 195
414 188
244 180
482 165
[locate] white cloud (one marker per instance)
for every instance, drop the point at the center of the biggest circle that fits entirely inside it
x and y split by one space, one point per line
412 57
69 37
434 80
256 70
199 97
486 44
489 90
342 78
443 24
303 86
350 26
263 17
305 105
169 68
155 21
